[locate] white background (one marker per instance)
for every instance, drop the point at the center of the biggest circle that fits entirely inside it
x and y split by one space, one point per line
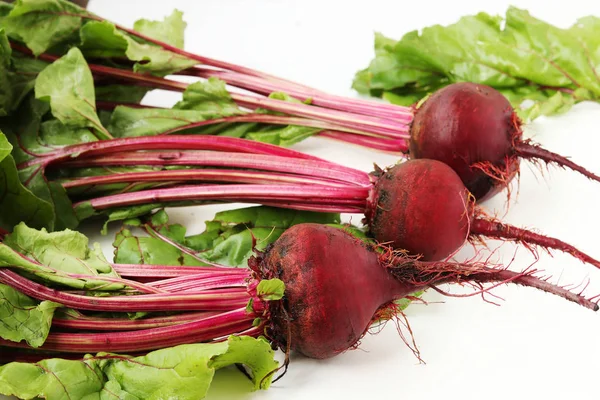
534 346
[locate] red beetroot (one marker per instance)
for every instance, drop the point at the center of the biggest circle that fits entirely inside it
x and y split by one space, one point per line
336 286
422 206
474 129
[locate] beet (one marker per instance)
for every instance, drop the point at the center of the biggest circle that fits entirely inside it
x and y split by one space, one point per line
337 286
301 258
474 129
464 125
422 206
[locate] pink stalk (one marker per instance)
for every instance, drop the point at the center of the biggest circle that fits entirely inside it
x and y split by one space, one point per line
342 189
189 284
333 196
282 84
308 168
170 271
330 130
140 287
370 125
198 175
202 330
373 125
396 127
314 96
295 205
173 142
76 320
267 119
384 144
208 301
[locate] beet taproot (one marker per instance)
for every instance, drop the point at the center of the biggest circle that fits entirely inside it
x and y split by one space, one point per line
336 286
474 129
423 207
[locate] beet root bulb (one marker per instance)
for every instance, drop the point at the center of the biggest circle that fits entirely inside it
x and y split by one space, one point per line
420 206
474 129
333 289
336 286
471 128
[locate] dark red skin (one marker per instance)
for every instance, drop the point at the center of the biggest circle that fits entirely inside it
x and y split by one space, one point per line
334 286
420 206
464 124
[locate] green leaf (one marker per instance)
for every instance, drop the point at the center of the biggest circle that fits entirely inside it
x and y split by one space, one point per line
5 8
103 39
586 31
270 289
24 318
185 372
5 147
283 136
121 93
205 100
209 96
181 372
51 256
16 201
170 30
128 122
22 75
6 91
555 56
120 214
542 69
53 379
16 76
68 86
228 239
42 24
31 136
